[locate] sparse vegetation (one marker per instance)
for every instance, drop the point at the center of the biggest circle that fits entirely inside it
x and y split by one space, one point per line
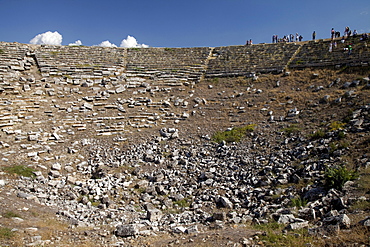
291 129
275 237
360 205
183 203
298 202
6 233
336 125
364 181
11 214
54 53
317 134
233 135
20 170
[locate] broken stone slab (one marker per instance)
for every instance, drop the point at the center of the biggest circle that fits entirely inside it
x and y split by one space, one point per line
88 106
192 229
225 202
343 221
154 214
297 225
127 230
56 167
26 196
365 222
286 218
221 216
120 89
179 229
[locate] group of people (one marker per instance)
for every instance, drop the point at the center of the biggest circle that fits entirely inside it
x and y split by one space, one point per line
287 38
249 42
334 34
347 33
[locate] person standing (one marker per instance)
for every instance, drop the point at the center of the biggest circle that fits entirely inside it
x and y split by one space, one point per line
355 33
314 35
350 49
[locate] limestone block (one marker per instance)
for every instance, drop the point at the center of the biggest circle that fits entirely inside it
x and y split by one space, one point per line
88 106
127 230
192 229
225 202
154 215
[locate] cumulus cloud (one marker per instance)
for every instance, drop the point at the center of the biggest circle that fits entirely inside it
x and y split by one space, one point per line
77 43
47 38
107 44
131 42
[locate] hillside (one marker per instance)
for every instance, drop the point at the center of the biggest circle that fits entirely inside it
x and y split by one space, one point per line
140 147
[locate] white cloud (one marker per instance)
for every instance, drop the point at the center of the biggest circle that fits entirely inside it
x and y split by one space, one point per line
107 44
47 38
76 43
131 42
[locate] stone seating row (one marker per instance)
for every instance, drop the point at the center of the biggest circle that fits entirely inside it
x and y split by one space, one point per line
169 64
242 60
317 54
79 62
12 58
174 66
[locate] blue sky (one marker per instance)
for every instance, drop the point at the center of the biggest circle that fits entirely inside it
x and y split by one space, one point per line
178 23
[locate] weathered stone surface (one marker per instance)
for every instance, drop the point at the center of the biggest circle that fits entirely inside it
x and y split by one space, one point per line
127 230
154 215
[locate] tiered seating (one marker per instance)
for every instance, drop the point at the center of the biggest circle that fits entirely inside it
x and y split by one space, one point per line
80 62
168 66
12 58
243 60
317 54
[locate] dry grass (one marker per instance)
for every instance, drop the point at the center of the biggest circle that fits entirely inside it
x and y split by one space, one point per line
364 181
357 236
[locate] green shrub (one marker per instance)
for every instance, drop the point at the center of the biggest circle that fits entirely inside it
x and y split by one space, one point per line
291 129
234 135
336 177
20 170
6 233
317 135
183 203
336 125
298 202
341 135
